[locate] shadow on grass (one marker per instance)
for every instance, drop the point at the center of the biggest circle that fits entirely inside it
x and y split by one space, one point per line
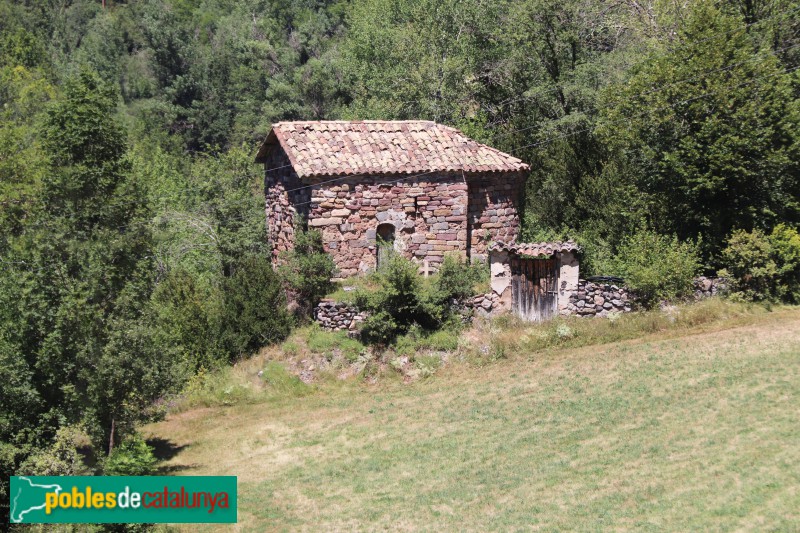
164 450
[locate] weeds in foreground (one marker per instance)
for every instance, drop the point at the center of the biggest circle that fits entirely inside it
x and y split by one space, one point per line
323 356
509 335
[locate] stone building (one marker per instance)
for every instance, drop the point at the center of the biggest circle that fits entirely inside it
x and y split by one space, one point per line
421 188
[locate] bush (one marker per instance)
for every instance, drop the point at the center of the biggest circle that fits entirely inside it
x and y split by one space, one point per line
307 270
131 458
398 299
457 279
398 302
763 267
255 307
188 312
658 267
61 458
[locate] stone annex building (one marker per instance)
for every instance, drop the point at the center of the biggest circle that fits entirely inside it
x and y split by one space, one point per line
419 187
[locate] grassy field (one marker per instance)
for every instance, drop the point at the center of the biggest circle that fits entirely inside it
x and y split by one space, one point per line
696 430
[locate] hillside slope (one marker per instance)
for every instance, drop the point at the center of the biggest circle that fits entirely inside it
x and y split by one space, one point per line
688 433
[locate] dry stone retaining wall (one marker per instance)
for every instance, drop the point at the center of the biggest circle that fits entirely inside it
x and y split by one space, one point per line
337 316
706 287
590 299
597 299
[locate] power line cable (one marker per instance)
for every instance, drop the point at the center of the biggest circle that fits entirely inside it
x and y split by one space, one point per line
532 145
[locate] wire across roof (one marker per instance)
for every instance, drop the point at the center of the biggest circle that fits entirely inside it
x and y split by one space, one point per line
342 148
535 249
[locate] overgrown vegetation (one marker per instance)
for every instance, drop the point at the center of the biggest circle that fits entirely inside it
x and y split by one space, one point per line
657 267
307 270
399 299
764 267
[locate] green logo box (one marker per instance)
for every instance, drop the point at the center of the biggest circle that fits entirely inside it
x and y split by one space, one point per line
123 499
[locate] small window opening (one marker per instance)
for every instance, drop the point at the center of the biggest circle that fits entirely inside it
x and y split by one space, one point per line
385 238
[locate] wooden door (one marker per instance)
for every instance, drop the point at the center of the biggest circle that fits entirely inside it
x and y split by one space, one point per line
534 288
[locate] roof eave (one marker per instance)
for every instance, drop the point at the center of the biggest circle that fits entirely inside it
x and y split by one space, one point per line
266 146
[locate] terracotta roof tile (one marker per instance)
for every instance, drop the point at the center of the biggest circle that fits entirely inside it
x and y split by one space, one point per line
535 248
340 148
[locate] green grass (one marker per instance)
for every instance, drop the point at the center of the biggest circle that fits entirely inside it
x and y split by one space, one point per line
693 428
417 340
331 343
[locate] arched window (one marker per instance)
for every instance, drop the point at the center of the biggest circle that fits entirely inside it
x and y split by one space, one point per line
385 238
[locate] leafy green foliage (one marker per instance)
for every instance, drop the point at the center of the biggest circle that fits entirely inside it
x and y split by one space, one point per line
133 457
400 300
130 206
255 307
189 315
717 154
396 304
307 270
657 267
457 279
60 458
763 266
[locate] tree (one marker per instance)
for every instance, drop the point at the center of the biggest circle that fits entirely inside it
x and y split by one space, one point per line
711 129
255 307
77 305
306 269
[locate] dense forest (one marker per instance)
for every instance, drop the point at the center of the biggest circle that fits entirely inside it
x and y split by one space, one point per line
132 238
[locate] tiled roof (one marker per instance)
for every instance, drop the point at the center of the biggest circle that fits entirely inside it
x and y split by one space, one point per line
535 248
341 148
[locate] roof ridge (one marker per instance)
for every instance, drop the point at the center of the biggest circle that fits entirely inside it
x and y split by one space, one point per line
356 147
370 121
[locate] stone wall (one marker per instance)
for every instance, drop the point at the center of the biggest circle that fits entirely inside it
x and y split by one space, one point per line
589 299
428 215
493 211
600 299
706 287
597 299
484 304
286 198
432 214
337 316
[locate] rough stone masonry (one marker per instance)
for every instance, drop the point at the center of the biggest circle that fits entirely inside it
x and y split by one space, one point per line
423 187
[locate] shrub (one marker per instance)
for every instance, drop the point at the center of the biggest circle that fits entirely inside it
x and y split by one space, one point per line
61 458
658 267
457 278
786 251
399 299
398 302
763 267
188 313
133 457
307 270
255 307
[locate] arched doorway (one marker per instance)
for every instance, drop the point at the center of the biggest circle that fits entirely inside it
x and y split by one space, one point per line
385 238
